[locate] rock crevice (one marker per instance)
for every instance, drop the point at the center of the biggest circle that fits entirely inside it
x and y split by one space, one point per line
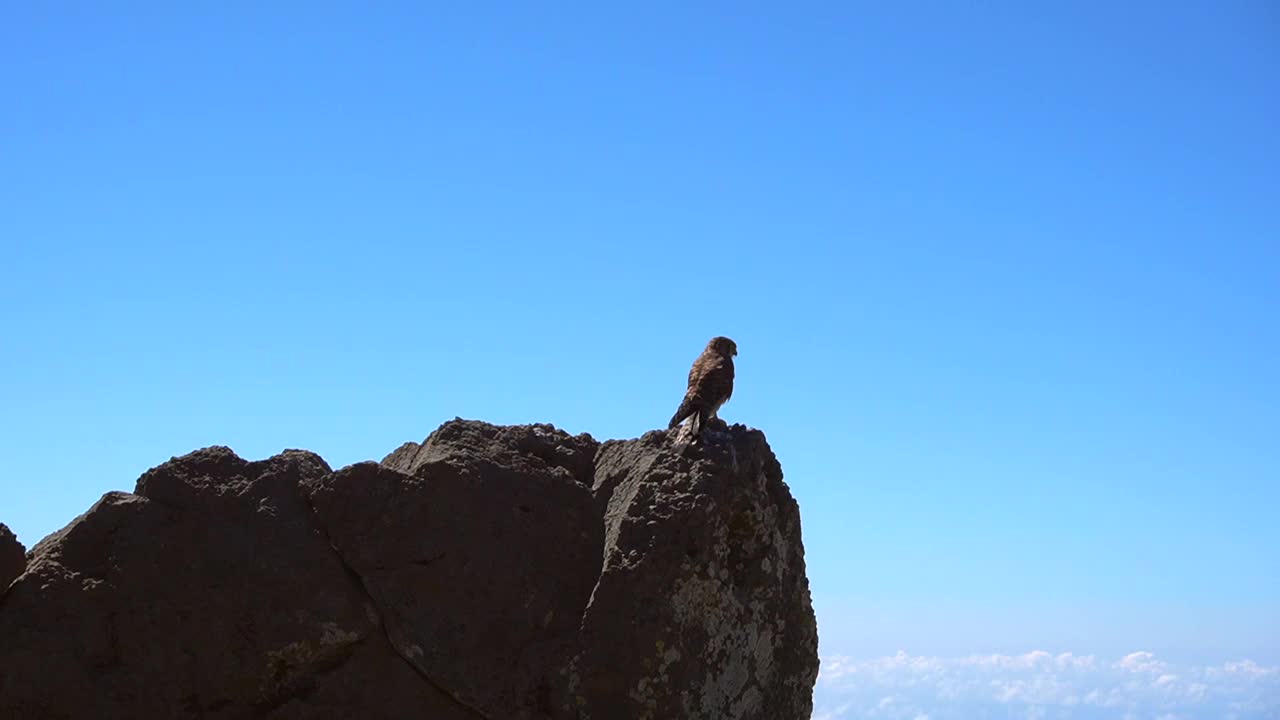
358 580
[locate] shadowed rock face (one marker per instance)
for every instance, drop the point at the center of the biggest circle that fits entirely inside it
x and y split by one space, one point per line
13 557
489 572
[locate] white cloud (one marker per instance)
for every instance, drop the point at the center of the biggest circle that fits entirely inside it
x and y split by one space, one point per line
1141 662
1043 686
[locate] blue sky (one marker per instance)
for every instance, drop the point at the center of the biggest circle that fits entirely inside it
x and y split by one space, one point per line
1004 279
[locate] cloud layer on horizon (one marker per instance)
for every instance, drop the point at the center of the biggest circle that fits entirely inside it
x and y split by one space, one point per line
1043 686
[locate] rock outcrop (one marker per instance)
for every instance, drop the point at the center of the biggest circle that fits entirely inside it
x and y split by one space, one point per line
489 572
13 557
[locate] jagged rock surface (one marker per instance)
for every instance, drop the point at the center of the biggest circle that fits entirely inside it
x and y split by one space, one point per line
490 572
209 593
481 548
732 633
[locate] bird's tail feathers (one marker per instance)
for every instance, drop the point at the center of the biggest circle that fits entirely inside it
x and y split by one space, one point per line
681 415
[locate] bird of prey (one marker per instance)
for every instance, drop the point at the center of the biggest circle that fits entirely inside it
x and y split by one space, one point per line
710 385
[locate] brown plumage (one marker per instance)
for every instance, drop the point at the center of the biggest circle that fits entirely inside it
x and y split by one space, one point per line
710 385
